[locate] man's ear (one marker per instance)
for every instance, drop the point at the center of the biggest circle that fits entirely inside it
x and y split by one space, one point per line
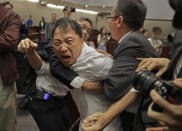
82 40
119 21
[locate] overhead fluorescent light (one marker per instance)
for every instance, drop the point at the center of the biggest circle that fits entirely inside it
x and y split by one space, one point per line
55 6
77 10
87 11
36 1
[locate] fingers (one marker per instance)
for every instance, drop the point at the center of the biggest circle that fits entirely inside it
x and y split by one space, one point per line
91 123
143 65
161 71
93 117
173 110
26 45
163 116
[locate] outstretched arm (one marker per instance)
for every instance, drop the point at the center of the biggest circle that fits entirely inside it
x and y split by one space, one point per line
29 48
99 121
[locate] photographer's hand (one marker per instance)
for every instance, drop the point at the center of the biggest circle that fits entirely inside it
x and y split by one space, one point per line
172 113
153 63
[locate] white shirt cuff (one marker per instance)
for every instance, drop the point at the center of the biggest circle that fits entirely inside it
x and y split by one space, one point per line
77 82
133 90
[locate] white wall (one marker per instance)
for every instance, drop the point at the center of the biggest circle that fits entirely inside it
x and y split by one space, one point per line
25 8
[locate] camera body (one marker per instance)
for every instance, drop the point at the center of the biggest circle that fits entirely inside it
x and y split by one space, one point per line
145 81
69 7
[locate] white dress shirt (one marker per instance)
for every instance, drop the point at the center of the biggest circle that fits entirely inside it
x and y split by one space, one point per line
92 66
48 83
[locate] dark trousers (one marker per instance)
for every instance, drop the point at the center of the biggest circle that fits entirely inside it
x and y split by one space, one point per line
49 116
127 120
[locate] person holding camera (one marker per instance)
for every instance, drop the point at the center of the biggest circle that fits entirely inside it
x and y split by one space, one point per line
68 11
168 70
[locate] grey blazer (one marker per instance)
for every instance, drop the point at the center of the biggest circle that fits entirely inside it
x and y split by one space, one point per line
120 77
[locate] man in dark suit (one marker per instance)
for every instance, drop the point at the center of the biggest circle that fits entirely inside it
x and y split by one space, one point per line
124 27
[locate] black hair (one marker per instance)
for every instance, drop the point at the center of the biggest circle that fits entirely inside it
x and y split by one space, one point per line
177 6
86 19
144 30
156 29
6 3
65 23
132 11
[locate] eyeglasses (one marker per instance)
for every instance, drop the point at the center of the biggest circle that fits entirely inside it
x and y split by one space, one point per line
108 18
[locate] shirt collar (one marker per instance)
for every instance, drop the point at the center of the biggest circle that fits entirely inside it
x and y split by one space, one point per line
124 36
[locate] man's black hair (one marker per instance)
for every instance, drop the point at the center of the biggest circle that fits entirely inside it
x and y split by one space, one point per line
65 23
86 19
6 3
177 6
132 11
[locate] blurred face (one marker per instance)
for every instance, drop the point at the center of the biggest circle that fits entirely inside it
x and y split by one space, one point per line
156 34
104 31
86 29
53 18
8 6
146 34
67 45
30 17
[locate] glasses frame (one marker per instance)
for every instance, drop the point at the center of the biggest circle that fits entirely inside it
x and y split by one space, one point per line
109 17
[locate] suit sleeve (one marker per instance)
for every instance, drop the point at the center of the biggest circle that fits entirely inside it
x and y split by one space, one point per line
121 75
58 70
10 37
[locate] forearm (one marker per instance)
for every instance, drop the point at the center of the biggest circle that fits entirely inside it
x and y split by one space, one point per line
92 86
34 59
120 105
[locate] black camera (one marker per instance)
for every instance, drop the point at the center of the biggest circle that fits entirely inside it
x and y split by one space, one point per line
145 81
69 7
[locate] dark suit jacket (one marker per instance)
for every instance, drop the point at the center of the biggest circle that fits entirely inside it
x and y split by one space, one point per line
176 52
121 76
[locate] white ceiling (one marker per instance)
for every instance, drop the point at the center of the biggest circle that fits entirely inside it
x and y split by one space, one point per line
157 9
98 3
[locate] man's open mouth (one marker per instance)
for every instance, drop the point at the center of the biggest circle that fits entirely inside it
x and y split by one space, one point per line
66 57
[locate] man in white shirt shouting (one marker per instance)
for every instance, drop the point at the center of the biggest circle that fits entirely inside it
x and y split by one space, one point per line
84 60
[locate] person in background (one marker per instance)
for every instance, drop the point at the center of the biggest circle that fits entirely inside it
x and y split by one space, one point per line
86 25
49 27
9 37
42 25
29 22
102 39
7 5
67 11
154 39
23 29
